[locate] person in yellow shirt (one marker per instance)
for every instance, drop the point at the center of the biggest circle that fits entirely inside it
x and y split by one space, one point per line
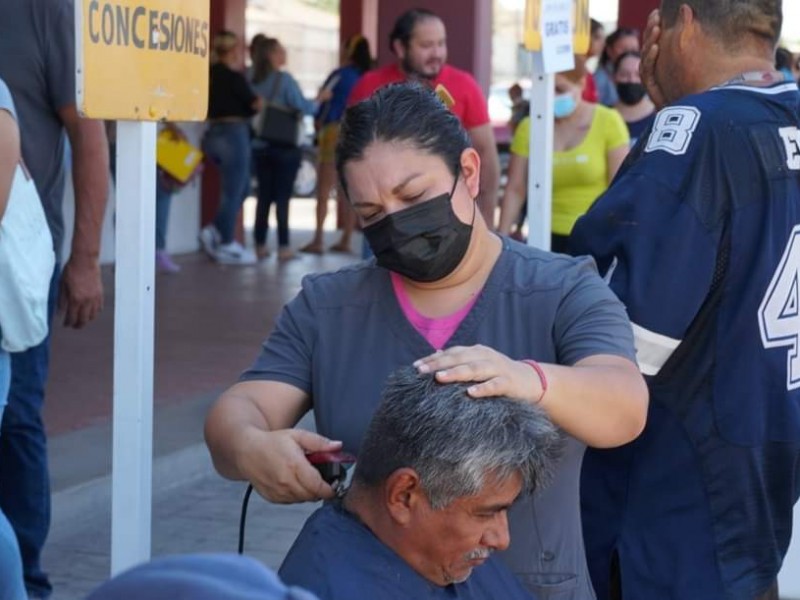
590 143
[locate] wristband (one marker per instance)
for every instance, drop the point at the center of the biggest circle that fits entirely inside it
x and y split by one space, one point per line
542 377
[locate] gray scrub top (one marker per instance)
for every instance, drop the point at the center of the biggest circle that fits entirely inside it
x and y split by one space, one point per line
345 332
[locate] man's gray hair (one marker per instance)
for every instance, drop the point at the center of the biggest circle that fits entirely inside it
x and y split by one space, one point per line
453 442
732 21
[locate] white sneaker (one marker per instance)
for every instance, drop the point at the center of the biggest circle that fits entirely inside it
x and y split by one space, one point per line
234 254
210 239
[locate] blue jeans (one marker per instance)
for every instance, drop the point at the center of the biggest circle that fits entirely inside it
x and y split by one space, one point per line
11 585
276 169
163 203
5 379
228 145
24 476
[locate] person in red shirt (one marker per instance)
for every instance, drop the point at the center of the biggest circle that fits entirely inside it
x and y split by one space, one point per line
589 93
419 41
598 42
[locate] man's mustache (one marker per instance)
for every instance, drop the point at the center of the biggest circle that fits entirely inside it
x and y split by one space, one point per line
478 554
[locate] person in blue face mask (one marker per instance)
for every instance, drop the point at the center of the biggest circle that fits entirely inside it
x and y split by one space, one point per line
590 143
454 299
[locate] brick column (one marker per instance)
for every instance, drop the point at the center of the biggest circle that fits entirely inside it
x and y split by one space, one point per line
634 13
359 16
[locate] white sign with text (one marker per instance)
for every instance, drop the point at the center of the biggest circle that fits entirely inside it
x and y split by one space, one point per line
556 30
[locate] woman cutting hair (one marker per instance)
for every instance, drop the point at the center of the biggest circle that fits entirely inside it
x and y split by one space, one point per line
446 294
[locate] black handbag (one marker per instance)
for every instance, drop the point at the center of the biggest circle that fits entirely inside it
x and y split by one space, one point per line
277 123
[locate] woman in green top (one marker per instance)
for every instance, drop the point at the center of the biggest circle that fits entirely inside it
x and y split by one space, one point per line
590 143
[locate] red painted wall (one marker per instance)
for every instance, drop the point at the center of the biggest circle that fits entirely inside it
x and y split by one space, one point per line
634 13
229 15
359 16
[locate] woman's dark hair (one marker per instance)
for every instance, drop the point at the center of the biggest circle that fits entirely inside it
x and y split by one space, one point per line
258 40
262 65
623 56
595 27
402 112
404 25
613 38
358 53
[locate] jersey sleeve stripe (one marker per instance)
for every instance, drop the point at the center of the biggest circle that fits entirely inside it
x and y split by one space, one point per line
768 91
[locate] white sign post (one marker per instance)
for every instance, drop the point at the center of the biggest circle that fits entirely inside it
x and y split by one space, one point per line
134 311
556 54
138 61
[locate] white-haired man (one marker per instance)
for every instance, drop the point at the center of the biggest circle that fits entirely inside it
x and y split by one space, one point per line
437 473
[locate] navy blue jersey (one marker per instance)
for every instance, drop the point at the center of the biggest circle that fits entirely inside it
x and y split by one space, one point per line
638 128
699 236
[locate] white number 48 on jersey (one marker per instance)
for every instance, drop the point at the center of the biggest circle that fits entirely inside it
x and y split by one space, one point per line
779 313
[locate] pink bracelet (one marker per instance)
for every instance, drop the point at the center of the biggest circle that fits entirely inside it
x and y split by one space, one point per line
542 377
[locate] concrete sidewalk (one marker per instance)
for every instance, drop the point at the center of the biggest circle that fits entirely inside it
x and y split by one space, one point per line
210 322
194 510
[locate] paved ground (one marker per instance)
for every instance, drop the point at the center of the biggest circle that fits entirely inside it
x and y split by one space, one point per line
199 514
210 321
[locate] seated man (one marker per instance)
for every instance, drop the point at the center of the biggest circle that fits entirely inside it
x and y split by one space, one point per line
436 475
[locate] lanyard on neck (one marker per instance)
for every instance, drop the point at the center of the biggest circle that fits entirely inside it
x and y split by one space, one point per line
757 79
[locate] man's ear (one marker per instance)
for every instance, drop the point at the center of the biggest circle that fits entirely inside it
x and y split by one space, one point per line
471 171
686 26
399 49
403 495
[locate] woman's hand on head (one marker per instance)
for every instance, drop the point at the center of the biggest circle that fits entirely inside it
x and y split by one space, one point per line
275 463
493 373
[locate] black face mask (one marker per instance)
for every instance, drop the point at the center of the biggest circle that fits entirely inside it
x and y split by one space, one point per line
425 242
631 93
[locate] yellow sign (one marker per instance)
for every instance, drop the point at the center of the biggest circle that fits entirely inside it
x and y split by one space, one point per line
532 37
143 60
581 26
